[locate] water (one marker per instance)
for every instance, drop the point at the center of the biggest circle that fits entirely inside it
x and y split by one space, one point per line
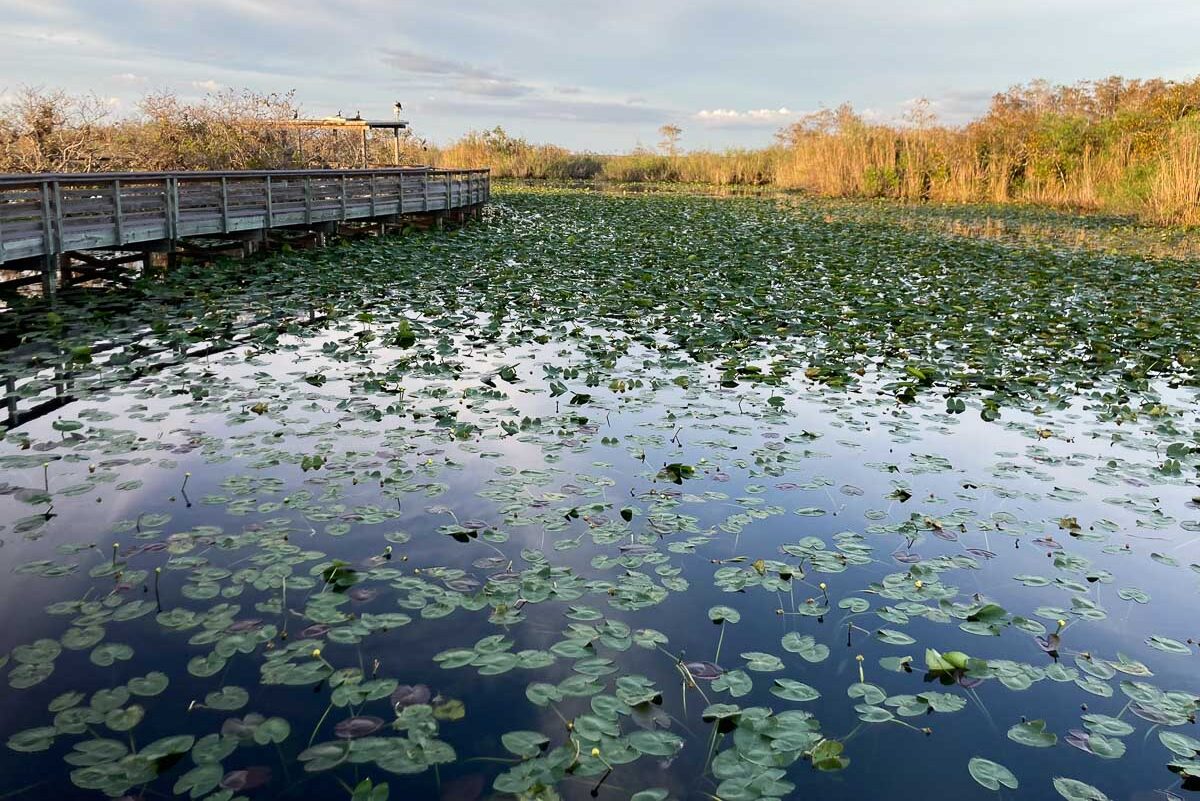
773 465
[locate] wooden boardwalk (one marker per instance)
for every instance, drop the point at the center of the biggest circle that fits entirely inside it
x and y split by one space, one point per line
47 220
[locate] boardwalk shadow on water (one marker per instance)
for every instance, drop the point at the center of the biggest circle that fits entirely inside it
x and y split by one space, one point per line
605 497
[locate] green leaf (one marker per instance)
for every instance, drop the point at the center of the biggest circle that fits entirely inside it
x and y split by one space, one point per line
790 690
227 699
33 740
1168 645
806 646
1180 744
1032 733
737 682
762 662
1075 790
199 781
124 719
272 730
525 743
893 637
178 744
723 614
991 774
151 684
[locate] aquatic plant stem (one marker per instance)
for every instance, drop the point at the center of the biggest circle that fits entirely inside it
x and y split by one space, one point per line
982 708
283 764
283 606
712 745
316 728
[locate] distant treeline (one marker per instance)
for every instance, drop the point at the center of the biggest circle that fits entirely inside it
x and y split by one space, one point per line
1120 145
1130 146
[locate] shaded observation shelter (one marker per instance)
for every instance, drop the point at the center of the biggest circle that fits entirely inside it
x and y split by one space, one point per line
353 124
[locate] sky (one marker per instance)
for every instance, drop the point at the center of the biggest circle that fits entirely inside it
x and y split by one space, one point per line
600 76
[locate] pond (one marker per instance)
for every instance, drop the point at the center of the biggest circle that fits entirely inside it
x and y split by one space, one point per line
650 497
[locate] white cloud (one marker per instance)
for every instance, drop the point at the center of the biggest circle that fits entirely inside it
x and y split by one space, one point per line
491 87
757 116
412 61
509 62
206 86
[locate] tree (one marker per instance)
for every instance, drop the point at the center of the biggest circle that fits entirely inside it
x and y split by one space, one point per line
920 114
51 131
670 139
825 122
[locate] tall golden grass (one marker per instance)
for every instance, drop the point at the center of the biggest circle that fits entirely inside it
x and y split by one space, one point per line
1116 145
1129 146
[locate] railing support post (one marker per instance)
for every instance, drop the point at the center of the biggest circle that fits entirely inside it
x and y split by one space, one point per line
172 191
49 250
118 212
270 204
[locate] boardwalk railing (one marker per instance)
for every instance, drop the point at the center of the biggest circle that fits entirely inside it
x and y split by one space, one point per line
46 216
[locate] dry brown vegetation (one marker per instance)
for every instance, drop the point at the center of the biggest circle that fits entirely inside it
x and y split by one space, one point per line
52 131
1129 146
1119 145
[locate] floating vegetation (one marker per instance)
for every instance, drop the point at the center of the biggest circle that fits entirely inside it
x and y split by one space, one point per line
633 497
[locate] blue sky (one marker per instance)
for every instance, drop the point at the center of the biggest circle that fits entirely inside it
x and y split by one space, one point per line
594 75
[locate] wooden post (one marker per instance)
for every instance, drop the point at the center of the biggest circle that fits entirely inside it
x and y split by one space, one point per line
48 261
308 200
224 205
425 179
270 205
10 399
49 282
172 208
343 197
60 376
119 212
372 179
56 197
400 191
